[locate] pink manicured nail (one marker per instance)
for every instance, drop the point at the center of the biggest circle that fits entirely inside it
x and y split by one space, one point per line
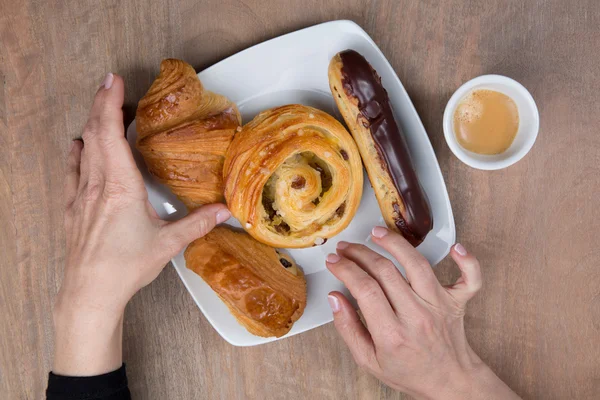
459 248
108 81
332 258
342 245
334 303
379 232
223 216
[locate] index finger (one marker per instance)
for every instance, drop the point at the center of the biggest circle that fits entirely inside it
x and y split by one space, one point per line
418 270
104 134
375 306
105 121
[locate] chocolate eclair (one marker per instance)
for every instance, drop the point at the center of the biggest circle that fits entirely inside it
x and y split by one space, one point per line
366 108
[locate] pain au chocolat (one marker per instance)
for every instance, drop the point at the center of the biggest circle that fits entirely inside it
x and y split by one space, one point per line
293 177
183 133
365 106
263 288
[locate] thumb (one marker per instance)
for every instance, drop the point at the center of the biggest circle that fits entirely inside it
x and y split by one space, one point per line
178 234
469 282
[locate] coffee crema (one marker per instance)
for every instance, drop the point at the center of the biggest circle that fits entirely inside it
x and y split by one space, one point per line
486 122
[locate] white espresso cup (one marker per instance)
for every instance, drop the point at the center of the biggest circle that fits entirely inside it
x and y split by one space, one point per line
529 122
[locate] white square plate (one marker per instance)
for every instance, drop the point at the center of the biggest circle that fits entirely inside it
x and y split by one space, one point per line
293 69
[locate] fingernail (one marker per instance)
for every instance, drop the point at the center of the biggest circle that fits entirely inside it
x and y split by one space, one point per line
332 258
334 303
223 216
108 81
379 232
459 248
342 245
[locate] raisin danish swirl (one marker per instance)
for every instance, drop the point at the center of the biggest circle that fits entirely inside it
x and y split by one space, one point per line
183 133
293 177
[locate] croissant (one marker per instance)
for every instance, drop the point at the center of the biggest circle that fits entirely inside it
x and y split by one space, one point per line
263 288
366 108
183 133
293 177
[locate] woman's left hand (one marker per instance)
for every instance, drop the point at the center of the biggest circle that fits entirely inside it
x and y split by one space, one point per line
414 338
116 243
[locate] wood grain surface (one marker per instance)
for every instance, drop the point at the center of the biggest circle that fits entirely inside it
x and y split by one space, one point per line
534 226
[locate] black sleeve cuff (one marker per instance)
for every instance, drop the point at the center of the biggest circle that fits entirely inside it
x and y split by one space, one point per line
110 386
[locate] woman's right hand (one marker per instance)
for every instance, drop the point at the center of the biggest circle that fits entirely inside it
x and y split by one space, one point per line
414 339
115 241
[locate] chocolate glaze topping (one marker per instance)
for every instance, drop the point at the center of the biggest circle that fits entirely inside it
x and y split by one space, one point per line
361 81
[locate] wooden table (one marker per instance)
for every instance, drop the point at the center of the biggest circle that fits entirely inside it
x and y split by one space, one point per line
534 225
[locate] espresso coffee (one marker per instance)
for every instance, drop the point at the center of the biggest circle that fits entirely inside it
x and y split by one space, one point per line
486 122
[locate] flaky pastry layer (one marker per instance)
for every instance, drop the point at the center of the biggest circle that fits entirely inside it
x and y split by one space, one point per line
183 133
